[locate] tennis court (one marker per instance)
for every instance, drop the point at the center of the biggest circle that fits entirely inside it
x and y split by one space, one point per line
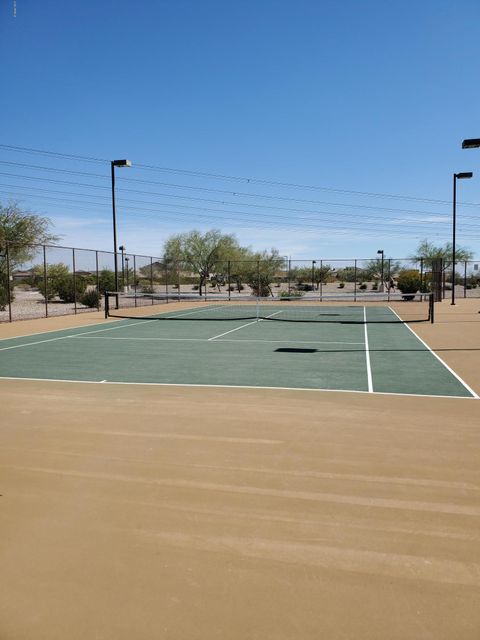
339 347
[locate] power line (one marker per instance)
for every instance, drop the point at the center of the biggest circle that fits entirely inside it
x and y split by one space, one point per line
242 179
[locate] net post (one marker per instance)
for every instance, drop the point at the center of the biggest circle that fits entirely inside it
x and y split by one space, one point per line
107 304
431 308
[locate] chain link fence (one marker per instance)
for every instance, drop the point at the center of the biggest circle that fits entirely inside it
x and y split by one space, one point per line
45 280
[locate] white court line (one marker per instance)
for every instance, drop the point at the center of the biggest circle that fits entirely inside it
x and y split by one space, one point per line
87 337
113 320
238 386
74 335
455 375
232 330
367 352
243 325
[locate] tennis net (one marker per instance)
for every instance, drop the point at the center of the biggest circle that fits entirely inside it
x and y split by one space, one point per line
370 309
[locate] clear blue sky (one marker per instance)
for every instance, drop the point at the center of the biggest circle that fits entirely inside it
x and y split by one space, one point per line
373 97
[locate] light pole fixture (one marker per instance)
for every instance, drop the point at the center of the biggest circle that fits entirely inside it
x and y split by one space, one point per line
456 176
473 143
113 164
380 251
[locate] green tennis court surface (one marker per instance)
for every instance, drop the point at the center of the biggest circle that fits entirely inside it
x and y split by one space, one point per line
339 352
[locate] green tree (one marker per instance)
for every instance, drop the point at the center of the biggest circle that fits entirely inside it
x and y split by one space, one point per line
20 230
372 270
428 252
259 270
200 252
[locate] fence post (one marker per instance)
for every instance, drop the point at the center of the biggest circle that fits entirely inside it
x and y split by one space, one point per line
289 266
166 277
390 278
228 280
45 279
9 296
151 277
98 280
321 280
74 282
135 278
465 280
355 281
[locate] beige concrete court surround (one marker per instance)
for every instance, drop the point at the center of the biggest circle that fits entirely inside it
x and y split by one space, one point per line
140 512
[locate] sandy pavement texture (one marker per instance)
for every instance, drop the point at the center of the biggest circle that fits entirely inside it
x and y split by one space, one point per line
136 512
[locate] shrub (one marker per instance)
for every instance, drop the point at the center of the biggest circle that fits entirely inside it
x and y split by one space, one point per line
66 290
341 285
292 294
106 280
409 281
375 286
91 298
362 286
56 274
147 288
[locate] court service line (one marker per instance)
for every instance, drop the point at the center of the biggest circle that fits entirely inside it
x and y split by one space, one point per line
449 369
367 352
232 330
244 325
87 337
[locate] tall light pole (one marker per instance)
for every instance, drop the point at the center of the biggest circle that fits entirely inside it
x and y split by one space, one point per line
380 251
456 176
116 163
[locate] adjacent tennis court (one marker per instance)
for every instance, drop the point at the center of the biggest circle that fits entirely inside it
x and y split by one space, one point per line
319 347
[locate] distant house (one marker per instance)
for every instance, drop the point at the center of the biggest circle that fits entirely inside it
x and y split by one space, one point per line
22 274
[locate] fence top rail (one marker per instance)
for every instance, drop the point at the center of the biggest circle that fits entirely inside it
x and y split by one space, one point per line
287 259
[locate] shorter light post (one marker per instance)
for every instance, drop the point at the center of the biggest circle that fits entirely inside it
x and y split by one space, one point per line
456 176
381 252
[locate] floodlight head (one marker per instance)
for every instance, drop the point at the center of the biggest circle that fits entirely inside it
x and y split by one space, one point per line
464 175
473 143
122 163
121 247
380 251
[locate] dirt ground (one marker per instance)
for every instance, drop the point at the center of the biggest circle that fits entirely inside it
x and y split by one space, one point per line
172 512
